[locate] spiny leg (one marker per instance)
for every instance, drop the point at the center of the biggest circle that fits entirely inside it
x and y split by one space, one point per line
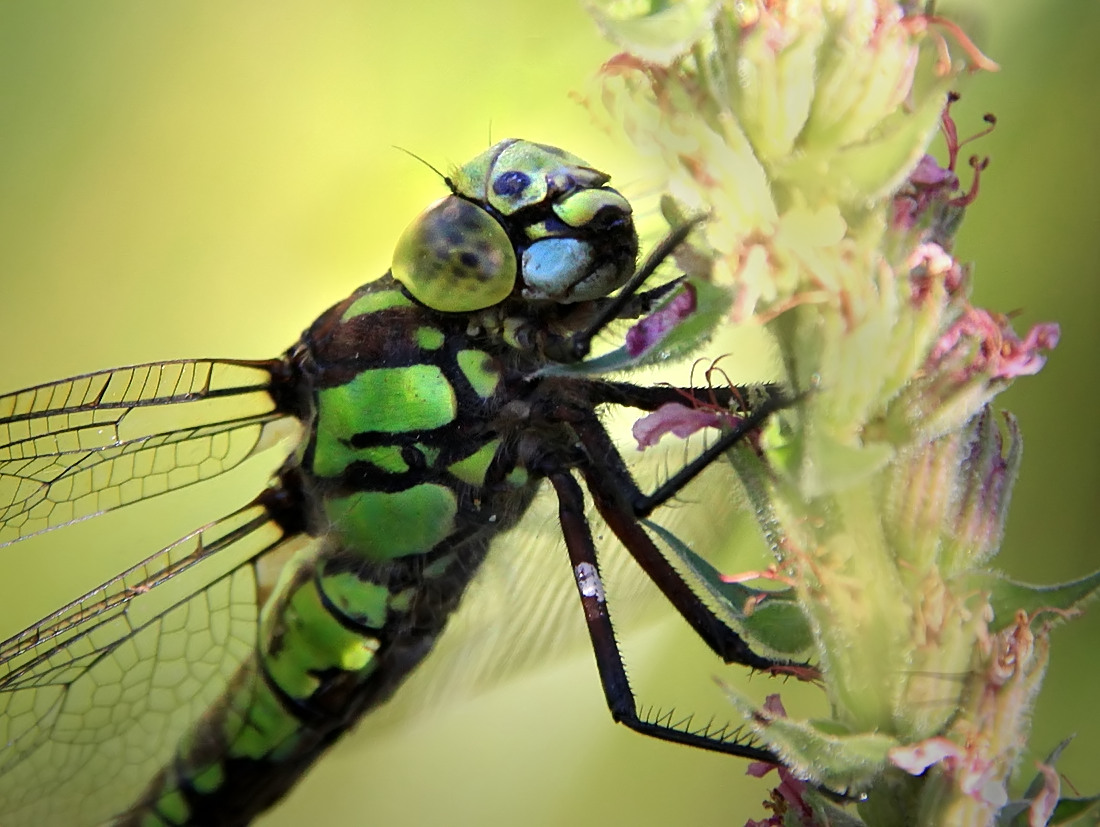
614 492
620 698
651 397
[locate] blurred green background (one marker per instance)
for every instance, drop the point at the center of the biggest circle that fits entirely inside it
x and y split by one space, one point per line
203 178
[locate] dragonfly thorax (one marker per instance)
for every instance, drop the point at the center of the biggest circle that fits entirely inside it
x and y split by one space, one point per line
417 424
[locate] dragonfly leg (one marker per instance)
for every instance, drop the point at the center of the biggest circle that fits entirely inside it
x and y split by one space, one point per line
651 397
615 495
609 661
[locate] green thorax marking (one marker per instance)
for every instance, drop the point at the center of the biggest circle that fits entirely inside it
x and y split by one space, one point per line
382 525
373 302
379 400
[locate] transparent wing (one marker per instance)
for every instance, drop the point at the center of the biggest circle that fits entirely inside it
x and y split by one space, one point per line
94 697
73 449
522 612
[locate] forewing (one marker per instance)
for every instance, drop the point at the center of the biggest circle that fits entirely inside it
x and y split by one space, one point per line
79 447
95 697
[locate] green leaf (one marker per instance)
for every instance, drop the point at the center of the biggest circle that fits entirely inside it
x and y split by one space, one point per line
1066 811
1069 810
818 751
770 621
1039 781
1007 596
614 362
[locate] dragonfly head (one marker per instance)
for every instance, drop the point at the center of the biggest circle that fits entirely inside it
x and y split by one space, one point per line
523 220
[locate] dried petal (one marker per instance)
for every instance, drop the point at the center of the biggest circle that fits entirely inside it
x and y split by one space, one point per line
650 331
918 757
678 420
1042 806
928 264
981 342
929 173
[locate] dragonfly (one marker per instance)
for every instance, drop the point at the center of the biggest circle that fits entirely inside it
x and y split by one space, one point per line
420 417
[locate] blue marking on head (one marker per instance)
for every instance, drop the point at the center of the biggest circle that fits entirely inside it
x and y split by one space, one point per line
510 184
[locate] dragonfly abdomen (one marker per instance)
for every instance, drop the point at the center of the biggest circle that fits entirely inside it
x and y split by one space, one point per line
336 643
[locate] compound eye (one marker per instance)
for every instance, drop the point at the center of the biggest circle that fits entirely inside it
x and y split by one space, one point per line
455 257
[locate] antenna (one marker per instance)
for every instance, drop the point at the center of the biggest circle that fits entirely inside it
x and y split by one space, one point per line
413 155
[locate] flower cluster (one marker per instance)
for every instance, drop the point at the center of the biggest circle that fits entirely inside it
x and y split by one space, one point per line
801 130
